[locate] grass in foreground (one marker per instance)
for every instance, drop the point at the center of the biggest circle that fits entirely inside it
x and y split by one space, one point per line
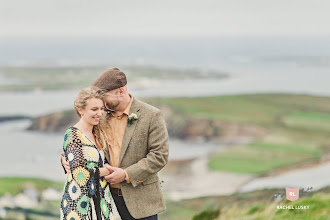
319 208
251 206
47 210
15 185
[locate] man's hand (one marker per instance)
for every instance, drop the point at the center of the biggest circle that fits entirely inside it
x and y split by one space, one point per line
65 164
117 175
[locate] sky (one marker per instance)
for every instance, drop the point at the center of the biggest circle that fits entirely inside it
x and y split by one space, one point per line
61 18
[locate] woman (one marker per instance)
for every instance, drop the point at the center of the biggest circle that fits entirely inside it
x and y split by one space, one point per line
86 193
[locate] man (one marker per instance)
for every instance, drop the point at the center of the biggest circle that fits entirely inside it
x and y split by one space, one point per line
138 149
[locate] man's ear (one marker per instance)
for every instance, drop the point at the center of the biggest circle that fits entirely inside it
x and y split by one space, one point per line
121 91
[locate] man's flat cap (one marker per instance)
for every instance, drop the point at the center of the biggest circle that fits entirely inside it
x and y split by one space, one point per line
111 79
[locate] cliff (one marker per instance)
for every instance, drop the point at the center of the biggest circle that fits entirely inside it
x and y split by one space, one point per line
179 125
55 122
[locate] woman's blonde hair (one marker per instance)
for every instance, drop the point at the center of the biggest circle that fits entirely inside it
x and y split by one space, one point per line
101 137
85 94
81 102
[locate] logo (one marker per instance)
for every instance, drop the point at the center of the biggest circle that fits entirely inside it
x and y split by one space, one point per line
292 194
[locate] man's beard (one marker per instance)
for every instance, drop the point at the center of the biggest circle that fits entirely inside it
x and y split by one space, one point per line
112 108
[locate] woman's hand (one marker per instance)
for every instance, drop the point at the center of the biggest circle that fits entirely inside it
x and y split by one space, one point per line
108 167
117 175
106 170
65 163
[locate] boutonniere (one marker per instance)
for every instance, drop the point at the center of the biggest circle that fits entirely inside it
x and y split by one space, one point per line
131 118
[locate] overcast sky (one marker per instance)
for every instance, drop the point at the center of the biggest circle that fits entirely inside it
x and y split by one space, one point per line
20 18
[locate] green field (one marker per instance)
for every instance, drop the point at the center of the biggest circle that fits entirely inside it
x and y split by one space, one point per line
261 157
298 128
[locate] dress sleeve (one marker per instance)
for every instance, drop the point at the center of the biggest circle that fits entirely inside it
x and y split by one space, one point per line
72 147
82 156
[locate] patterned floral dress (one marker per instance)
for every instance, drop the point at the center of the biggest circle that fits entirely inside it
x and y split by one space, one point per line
86 195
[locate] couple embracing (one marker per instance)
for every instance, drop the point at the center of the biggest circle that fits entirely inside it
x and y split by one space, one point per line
113 154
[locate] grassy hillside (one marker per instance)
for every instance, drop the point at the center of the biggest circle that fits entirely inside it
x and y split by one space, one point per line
298 128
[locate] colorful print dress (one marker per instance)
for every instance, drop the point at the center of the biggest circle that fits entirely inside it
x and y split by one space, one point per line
86 195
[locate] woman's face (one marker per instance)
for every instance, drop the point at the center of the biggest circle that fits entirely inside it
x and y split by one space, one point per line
93 111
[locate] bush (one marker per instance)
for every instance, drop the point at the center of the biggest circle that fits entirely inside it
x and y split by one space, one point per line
207 215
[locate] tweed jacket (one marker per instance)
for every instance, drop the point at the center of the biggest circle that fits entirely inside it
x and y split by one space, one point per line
144 153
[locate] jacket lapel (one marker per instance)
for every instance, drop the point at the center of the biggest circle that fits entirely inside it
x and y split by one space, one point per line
135 108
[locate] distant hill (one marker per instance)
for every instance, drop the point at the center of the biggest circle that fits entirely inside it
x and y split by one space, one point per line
77 77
